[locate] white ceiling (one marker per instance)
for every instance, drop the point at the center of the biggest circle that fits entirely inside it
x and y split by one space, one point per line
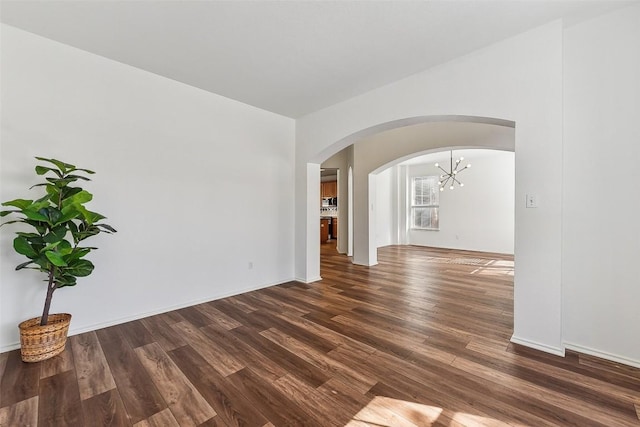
289 57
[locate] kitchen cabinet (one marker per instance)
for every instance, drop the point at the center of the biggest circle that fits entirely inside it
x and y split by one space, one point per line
334 228
324 230
329 189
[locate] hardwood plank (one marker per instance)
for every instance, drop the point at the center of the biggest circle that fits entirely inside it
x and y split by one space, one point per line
163 418
311 400
244 353
195 317
558 399
284 358
138 393
218 317
135 333
163 333
269 401
59 401
378 414
92 371
171 317
105 409
61 363
213 422
270 320
231 406
219 359
23 413
320 360
3 362
186 403
20 381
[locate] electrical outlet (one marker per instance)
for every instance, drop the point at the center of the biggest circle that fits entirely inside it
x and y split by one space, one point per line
532 201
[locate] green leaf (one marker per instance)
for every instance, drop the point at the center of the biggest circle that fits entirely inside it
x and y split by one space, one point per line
60 165
68 213
63 280
89 231
40 227
53 191
84 178
64 248
55 258
41 170
77 253
80 197
70 191
43 262
27 235
23 265
18 203
94 217
38 185
5 213
80 268
35 215
107 228
56 235
90 172
61 182
33 238
23 247
53 214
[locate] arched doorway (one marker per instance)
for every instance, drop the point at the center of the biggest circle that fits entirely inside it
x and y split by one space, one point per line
389 143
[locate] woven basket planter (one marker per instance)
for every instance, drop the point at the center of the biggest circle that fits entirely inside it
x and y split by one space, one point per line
39 343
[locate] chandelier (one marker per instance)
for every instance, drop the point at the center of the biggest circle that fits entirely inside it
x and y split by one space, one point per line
451 177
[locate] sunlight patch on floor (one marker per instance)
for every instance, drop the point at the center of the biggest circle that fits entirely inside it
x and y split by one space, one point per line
388 412
496 268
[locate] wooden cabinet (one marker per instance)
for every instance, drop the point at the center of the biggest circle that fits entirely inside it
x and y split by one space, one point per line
334 228
324 230
329 189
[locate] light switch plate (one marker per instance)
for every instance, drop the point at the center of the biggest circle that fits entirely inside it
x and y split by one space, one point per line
532 201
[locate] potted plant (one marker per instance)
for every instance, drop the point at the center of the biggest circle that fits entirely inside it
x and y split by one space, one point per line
53 228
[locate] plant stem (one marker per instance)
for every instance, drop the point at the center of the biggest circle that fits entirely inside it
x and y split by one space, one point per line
51 286
47 302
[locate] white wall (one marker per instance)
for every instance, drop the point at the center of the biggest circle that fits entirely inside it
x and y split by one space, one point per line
386 202
197 185
478 216
601 205
519 79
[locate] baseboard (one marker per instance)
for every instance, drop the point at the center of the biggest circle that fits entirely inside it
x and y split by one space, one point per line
558 351
307 281
96 326
602 355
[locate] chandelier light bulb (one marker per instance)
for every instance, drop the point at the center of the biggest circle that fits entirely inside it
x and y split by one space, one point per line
461 158
451 188
441 188
469 165
461 184
437 165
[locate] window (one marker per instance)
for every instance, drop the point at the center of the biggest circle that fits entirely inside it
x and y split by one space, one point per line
425 202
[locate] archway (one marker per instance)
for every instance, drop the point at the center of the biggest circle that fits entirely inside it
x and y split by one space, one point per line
380 146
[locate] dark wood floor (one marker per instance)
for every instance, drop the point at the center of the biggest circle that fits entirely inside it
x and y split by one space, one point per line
421 339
